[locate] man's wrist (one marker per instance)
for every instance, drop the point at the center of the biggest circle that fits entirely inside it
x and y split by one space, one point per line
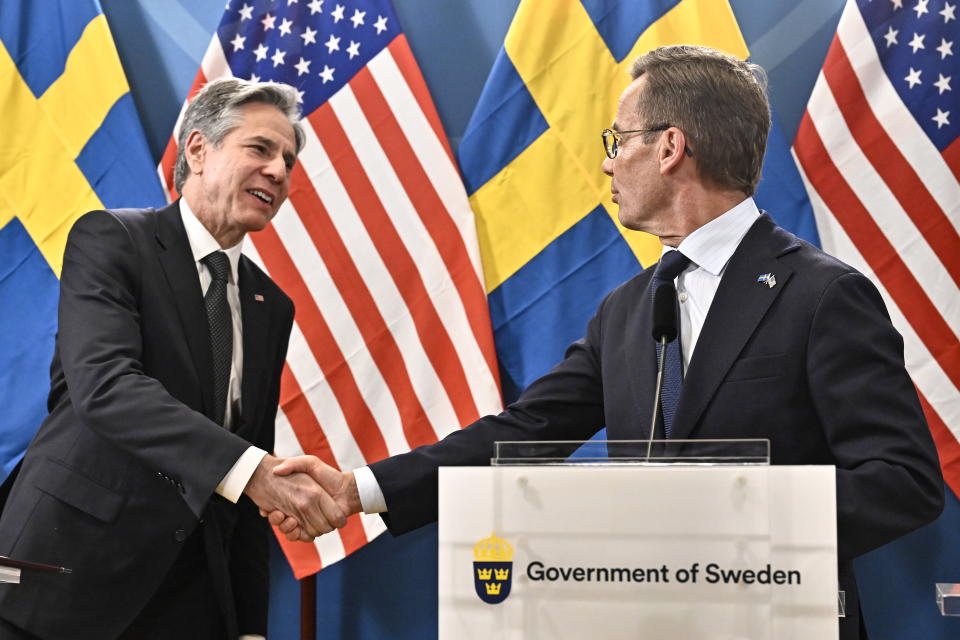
260 478
352 493
234 483
368 491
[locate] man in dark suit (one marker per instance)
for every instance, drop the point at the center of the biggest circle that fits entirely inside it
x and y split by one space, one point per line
164 391
778 339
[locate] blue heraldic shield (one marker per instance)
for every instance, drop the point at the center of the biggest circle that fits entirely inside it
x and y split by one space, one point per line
492 580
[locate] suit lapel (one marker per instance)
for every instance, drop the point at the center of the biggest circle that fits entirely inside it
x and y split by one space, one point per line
737 310
254 309
180 270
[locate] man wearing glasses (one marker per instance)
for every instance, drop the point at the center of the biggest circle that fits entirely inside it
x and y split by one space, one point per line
777 339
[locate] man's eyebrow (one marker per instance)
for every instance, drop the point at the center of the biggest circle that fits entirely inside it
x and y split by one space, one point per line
267 142
614 126
270 143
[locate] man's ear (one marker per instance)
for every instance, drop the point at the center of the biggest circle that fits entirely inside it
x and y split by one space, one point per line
672 145
195 151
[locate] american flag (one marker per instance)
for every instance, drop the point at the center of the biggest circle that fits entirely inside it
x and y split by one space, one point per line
878 151
392 346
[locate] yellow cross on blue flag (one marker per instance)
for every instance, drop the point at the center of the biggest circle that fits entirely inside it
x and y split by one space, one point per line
549 238
72 143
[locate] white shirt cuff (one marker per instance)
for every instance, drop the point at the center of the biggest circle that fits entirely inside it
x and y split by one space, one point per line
233 484
371 497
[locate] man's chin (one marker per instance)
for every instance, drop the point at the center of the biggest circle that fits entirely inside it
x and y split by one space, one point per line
257 221
629 223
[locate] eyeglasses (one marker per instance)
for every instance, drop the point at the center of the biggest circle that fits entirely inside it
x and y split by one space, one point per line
611 139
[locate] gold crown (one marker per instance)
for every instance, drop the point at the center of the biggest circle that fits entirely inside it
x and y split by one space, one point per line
502 574
493 588
484 574
493 549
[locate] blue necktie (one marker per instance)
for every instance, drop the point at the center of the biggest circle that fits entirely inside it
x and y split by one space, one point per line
670 266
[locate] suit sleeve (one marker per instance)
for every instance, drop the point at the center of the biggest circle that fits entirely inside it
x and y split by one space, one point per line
888 475
249 553
99 341
565 404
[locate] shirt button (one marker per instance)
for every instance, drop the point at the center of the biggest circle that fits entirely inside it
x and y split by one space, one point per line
179 535
682 296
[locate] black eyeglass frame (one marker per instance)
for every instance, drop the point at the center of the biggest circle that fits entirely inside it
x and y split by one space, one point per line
613 148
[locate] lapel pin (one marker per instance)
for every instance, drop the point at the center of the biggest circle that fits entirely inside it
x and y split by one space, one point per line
769 279
258 297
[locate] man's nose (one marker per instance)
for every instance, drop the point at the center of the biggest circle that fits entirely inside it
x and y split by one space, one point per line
276 168
607 166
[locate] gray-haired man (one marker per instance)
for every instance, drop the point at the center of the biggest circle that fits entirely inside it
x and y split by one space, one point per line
164 390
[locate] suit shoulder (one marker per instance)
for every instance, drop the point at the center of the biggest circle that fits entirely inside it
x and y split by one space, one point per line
630 289
134 216
766 237
813 262
816 274
131 218
135 222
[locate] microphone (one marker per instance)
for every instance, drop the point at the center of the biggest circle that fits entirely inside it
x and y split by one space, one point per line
665 313
664 331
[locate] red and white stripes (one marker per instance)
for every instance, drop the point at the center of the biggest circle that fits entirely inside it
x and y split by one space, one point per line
887 202
392 346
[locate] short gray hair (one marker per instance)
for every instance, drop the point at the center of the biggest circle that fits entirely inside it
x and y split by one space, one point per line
215 112
717 100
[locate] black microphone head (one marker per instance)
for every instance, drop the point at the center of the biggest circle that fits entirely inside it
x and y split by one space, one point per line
665 312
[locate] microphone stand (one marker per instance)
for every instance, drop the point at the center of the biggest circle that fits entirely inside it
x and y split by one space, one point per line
664 331
656 397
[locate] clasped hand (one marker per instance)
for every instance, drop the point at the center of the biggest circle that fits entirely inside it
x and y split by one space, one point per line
303 496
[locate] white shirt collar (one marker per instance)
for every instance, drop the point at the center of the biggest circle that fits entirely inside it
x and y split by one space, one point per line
711 246
202 243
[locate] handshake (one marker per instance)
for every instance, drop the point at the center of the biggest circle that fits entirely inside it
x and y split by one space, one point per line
303 497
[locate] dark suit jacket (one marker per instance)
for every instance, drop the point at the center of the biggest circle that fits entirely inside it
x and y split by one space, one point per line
812 363
126 464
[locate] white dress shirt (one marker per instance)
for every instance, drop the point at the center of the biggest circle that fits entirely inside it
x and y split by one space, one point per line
709 249
202 244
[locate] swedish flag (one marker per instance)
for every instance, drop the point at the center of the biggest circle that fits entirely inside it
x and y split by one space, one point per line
549 237
72 142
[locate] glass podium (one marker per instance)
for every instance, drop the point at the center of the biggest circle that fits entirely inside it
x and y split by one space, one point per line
632 452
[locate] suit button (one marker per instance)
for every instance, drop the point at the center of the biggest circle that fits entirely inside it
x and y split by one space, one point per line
179 535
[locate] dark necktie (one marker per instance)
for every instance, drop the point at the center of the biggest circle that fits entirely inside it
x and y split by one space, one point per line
221 329
670 266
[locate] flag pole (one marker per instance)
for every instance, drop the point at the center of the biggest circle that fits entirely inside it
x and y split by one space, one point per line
308 607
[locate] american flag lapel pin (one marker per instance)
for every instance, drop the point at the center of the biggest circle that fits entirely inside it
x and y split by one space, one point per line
258 297
768 279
